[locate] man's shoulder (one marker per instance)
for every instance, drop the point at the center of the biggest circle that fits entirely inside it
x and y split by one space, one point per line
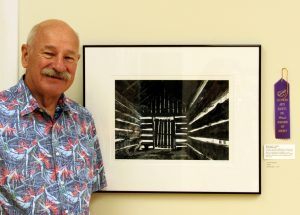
8 94
8 100
78 108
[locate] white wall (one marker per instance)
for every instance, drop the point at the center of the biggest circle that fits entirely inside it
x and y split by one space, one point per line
272 23
8 43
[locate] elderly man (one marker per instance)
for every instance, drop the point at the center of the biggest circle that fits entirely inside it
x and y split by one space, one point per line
50 160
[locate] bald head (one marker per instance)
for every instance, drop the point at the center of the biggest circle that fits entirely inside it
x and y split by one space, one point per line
49 24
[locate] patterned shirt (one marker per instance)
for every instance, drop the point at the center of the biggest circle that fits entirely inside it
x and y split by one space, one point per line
47 166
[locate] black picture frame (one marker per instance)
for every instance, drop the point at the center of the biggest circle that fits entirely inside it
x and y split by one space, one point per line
123 85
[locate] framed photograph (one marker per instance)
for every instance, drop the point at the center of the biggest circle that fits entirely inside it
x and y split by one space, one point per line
176 118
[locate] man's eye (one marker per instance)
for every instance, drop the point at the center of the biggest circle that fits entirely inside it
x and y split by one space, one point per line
48 54
69 58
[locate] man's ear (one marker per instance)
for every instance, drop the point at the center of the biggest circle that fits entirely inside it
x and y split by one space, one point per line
25 53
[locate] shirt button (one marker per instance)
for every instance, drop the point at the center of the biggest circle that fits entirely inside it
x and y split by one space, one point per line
62 183
66 211
57 153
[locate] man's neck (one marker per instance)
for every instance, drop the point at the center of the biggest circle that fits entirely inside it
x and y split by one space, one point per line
47 103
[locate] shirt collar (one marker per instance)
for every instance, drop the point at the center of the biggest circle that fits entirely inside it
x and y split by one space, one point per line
29 104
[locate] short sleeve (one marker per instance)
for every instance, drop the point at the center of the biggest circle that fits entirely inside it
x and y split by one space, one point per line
99 181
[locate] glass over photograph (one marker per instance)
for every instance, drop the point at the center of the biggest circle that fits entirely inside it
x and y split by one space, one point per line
172 119
177 118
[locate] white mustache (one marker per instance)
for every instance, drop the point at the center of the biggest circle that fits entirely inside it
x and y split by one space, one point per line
53 73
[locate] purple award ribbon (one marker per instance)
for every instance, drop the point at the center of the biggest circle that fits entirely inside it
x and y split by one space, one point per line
282 109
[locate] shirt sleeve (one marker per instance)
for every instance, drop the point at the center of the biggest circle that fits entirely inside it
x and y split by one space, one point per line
99 181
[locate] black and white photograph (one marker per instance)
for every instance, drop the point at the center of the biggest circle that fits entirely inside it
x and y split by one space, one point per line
172 119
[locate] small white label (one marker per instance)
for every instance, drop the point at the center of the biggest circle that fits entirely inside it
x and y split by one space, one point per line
279 151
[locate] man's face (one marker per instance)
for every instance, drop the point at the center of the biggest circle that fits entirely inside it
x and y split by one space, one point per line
54 47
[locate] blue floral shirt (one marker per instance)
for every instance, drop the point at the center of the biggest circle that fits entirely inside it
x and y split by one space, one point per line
47 166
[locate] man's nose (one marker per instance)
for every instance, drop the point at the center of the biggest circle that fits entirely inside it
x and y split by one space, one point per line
59 64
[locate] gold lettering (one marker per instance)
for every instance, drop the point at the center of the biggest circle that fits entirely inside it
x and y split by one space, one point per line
282 117
282 100
282 122
281 108
282 130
